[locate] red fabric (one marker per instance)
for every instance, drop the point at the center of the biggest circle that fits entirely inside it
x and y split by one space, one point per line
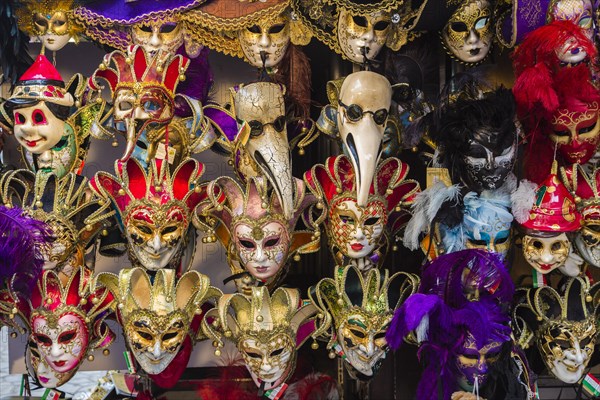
170 376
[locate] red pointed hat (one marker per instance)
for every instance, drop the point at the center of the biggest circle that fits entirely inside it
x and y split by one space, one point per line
554 208
43 82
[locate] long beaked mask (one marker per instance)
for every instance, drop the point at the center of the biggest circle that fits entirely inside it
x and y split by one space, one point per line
363 106
66 319
586 188
263 137
143 88
361 308
267 330
362 37
561 324
157 314
358 232
51 21
250 224
154 208
75 216
468 34
267 38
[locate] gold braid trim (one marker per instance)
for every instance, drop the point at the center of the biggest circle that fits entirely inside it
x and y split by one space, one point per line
213 22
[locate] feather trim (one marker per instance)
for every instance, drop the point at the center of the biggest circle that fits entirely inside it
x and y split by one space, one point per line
315 386
522 200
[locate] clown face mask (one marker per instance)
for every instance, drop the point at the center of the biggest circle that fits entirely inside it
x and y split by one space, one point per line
546 254
364 102
62 341
53 30
363 341
269 356
156 233
268 39
167 37
468 34
262 246
154 339
37 129
354 230
486 168
473 362
576 133
362 36
567 348
587 242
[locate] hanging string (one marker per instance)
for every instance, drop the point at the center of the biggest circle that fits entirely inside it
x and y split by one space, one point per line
476 387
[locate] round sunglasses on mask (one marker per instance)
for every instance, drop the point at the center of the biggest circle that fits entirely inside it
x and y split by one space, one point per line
257 127
355 113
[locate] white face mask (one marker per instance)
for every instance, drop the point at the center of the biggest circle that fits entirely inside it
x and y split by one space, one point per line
568 352
55 42
268 361
272 38
587 241
468 34
362 34
571 54
363 344
364 103
36 128
166 37
546 254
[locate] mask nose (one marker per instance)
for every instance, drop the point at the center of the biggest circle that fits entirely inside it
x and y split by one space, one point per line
265 40
369 35
156 39
359 234
265 365
577 354
547 257
156 243
55 351
472 38
156 351
260 254
482 366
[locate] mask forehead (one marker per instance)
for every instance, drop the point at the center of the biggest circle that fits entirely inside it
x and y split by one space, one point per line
369 90
261 102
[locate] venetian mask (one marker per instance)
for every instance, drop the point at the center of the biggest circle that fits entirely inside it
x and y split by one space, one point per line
268 356
567 348
587 241
580 12
37 128
362 36
545 254
153 37
62 340
261 106
64 244
486 165
61 158
39 369
268 38
362 338
468 34
156 233
473 361
577 134
262 246
363 106
356 231
53 30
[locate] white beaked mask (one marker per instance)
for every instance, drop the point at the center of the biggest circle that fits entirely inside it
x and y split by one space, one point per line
363 106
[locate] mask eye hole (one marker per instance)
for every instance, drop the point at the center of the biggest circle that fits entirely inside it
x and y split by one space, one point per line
481 23
381 26
537 244
360 21
39 118
58 23
41 21
256 128
562 133
478 242
67 337
585 22
19 119
272 242
169 229
380 116
358 333
125 105
556 246
372 221
587 129
459 27
169 336
279 123
168 28
501 240
146 28
43 339
276 28
151 106
247 244
144 229
347 220
277 352
254 29
254 354
145 335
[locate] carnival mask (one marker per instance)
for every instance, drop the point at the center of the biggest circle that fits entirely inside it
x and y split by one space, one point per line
156 233
53 29
262 246
364 103
567 348
362 36
490 239
62 340
268 356
468 34
268 38
473 362
487 168
354 230
362 339
580 12
61 158
261 106
545 254
36 128
39 369
65 242
157 36
577 134
587 241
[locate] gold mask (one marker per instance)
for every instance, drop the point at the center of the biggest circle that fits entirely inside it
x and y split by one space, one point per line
546 254
269 36
468 34
362 36
577 134
156 36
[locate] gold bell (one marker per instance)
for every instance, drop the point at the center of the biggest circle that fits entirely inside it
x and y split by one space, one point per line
39 204
115 143
588 298
260 318
218 353
332 354
128 60
228 334
215 343
340 301
83 302
121 192
320 205
159 69
220 207
389 191
91 357
394 248
296 257
182 77
104 232
106 352
314 345
301 151
338 190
